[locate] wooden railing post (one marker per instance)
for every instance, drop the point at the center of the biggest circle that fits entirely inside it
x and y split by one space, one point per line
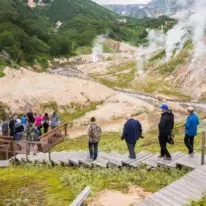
50 160
65 127
203 149
27 150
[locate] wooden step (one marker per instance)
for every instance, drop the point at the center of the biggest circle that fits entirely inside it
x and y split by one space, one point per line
190 162
100 162
171 163
74 159
113 161
151 161
139 157
139 161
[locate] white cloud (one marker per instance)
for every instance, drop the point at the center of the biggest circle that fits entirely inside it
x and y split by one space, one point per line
122 1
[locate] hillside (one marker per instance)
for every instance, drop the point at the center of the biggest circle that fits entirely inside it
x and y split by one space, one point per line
30 36
24 35
154 8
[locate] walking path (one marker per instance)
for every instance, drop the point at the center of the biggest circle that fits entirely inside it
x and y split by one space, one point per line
190 187
112 159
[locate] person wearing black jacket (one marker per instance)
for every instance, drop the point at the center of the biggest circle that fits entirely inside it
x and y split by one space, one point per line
166 125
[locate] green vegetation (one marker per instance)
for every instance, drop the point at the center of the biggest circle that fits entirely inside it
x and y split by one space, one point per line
111 141
175 62
41 185
121 75
78 111
28 36
157 56
202 202
70 112
2 65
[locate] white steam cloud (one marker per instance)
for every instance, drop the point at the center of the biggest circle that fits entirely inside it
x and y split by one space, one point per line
191 25
98 48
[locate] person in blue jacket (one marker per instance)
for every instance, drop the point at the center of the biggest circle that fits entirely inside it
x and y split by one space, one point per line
191 130
131 133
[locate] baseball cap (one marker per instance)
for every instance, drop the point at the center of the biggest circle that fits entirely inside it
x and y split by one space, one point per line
164 106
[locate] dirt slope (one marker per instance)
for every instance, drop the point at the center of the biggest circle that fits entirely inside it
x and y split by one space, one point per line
23 89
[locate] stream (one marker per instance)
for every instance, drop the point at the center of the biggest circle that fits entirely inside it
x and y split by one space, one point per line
200 106
74 72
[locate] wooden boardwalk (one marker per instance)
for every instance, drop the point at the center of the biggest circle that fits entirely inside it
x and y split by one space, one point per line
112 159
191 187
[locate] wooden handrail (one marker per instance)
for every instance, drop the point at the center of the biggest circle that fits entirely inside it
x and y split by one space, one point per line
53 130
6 137
79 201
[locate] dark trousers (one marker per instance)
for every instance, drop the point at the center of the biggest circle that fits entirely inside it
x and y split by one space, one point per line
46 128
39 129
93 150
163 145
131 148
189 143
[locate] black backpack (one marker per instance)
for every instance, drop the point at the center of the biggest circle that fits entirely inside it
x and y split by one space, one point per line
171 136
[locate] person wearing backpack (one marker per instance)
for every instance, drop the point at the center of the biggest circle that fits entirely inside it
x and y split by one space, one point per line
94 133
131 133
166 125
191 125
5 128
18 130
32 134
46 122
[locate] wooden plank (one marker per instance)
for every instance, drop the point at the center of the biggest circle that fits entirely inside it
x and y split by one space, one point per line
190 162
62 157
81 197
151 161
150 202
59 158
175 198
171 163
74 160
165 200
185 192
140 160
113 161
100 162
86 161
128 161
190 187
4 163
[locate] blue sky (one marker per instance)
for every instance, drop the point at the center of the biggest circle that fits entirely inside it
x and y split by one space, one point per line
122 1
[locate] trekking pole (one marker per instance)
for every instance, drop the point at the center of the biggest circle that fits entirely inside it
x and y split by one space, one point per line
203 149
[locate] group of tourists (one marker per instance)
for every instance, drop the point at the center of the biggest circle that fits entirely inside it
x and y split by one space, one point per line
30 125
132 132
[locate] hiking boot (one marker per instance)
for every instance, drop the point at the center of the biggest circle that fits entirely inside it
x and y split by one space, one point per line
160 156
131 157
168 158
191 154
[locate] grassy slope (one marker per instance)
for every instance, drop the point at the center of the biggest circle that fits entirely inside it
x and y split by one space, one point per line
111 142
40 185
149 84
